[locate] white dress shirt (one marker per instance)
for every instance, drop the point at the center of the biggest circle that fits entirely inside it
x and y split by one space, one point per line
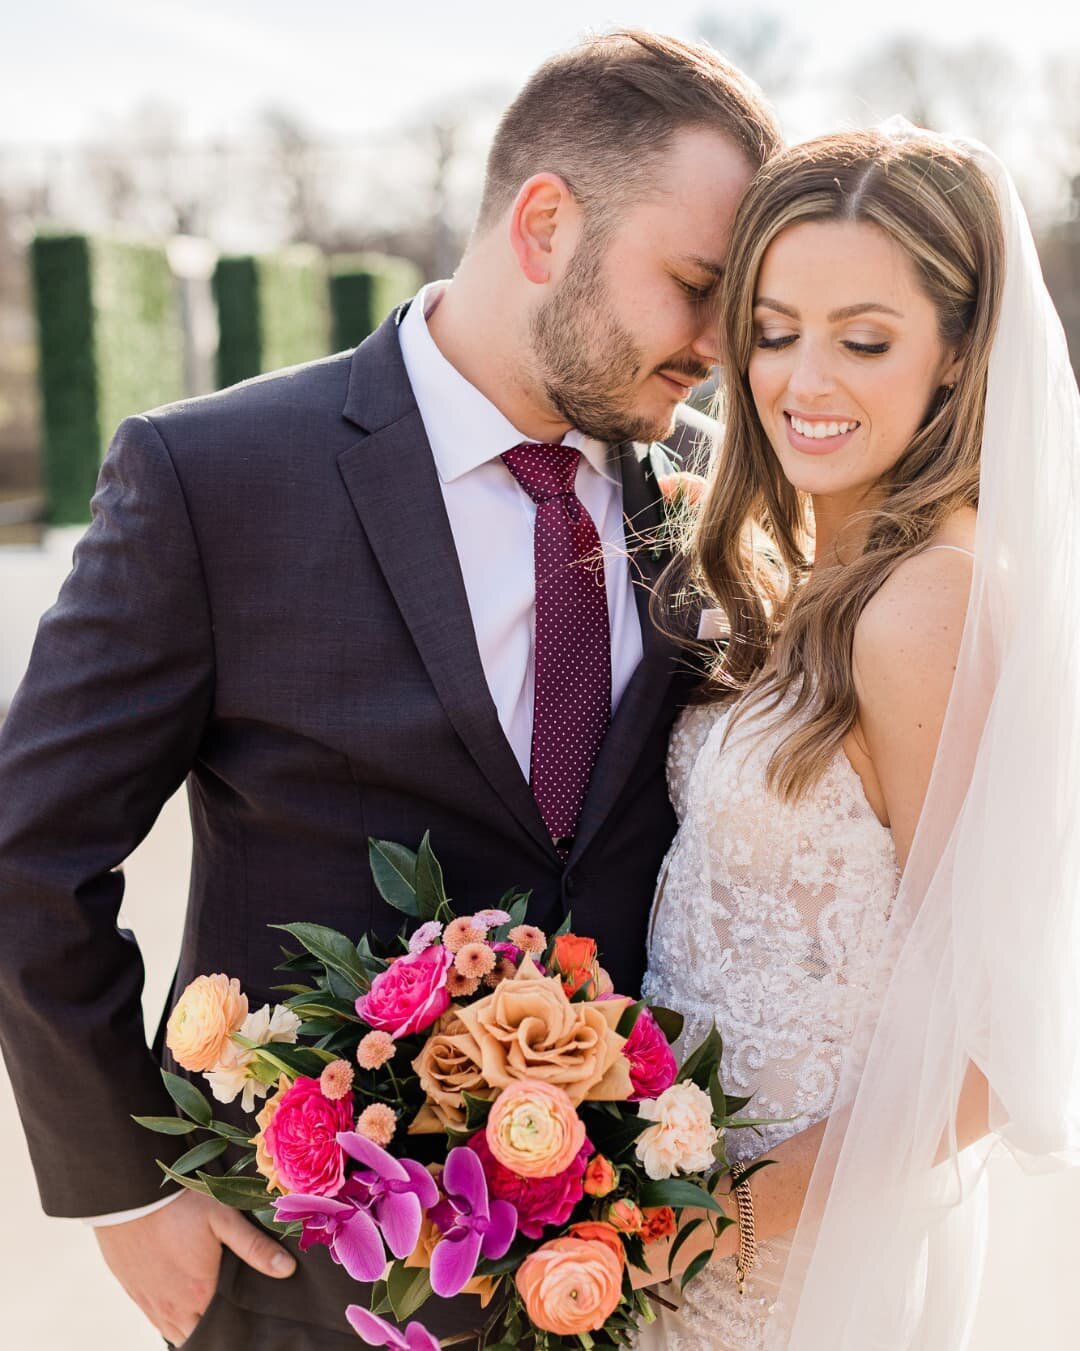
492 519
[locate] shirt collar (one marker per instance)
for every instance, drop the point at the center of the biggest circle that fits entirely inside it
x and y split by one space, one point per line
464 428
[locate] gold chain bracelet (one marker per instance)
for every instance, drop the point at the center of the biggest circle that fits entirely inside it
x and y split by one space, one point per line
744 1207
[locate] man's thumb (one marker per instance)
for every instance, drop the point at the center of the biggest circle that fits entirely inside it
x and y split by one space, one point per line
256 1249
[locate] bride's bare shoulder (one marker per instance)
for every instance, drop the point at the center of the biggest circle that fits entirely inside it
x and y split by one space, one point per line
909 631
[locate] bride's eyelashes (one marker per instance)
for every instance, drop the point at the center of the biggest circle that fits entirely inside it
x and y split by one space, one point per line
863 348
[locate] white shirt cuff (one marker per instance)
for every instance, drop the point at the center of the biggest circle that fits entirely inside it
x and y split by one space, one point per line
122 1216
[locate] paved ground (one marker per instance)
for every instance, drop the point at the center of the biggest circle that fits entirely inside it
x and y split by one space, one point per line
56 1294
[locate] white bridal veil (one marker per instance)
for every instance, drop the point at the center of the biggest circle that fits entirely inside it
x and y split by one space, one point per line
984 963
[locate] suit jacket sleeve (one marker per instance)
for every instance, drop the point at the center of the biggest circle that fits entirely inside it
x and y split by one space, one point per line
102 731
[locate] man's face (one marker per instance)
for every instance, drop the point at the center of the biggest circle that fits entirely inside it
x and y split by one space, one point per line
632 325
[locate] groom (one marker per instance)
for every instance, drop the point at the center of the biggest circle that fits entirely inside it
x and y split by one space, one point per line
312 597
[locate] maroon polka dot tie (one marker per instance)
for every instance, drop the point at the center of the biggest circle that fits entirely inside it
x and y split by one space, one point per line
572 702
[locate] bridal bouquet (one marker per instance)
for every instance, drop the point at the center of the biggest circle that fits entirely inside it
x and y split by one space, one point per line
474 1111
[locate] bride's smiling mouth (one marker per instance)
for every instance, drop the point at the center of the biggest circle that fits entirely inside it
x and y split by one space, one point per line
820 434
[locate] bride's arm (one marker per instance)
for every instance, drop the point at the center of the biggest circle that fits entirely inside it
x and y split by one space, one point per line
904 658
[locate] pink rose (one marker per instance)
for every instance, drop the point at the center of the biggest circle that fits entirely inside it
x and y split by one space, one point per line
653 1067
539 1201
410 994
300 1140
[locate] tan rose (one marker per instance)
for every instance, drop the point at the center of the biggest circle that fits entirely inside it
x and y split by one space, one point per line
263 1161
449 1067
528 1029
206 1015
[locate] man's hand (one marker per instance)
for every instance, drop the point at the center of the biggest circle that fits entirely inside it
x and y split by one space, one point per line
168 1260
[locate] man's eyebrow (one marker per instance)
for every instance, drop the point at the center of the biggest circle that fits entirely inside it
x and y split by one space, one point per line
709 265
834 316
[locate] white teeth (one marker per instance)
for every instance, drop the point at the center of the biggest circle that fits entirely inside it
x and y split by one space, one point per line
817 431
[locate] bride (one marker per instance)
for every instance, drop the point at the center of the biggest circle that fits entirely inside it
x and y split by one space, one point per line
875 886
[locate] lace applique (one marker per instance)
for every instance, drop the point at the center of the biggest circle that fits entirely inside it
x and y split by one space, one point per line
768 919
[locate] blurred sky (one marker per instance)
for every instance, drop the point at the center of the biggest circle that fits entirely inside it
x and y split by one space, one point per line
69 69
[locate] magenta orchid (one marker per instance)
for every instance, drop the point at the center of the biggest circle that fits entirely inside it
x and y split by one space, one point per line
385 1198
471 1224
377 1331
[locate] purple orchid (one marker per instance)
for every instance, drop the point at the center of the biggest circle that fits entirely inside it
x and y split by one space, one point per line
385 1196
471 1223
378 1332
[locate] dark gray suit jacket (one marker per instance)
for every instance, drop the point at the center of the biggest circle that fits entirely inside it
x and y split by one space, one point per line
268 604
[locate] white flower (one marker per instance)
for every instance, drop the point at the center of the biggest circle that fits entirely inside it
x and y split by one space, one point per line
230 1075
683 1136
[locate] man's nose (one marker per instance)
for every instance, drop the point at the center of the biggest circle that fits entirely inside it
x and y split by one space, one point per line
706 345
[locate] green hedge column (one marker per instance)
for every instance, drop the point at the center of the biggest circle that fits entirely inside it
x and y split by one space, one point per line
111 343
364 288
272 312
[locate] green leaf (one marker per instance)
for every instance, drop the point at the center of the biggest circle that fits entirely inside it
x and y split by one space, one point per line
716 1096
430 888
733 1105
242 1193
669 1022
696 1267
679 1193
748 1173
200 1154
372 963
189 1182
292 990
393 870
267 1218
700 1063
564 927
615 1138
680 1238
164 1125
516 904
477 1111
293 1060
331 948
188 1098
408 1288
298 961
380 1300
629 1017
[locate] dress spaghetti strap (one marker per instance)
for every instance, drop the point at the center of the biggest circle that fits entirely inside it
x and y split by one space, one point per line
956 549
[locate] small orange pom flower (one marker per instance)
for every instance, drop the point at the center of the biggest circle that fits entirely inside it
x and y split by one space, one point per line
459 986
461 931
377 1123
375 1049
529 939
336 1080
474 959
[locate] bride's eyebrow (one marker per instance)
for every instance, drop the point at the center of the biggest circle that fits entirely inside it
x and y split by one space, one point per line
834 316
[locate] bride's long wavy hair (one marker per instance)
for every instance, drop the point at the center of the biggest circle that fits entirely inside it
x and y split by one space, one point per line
789 627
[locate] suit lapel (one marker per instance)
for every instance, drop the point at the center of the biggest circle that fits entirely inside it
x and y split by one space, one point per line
391 478
641 702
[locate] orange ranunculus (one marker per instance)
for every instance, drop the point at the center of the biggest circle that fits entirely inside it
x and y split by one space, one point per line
600 1177
570 1285
625 1216
575 960
659 1223
596 1231
206 1015
534 1130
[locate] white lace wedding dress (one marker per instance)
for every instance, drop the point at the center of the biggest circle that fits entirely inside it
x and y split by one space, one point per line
767 919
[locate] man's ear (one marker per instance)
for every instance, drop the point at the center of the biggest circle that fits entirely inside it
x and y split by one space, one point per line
544 220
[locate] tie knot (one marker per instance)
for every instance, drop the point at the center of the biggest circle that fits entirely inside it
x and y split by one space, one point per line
543 470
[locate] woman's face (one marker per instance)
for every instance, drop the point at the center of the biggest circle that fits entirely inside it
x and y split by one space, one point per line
846 358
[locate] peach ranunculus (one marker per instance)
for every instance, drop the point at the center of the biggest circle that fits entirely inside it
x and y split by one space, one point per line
575 959
206 1015
570 1285
597 1231
528 1029
534 1130
449 1067
263 1159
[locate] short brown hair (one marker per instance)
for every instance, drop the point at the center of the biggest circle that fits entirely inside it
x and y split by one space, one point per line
603 114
